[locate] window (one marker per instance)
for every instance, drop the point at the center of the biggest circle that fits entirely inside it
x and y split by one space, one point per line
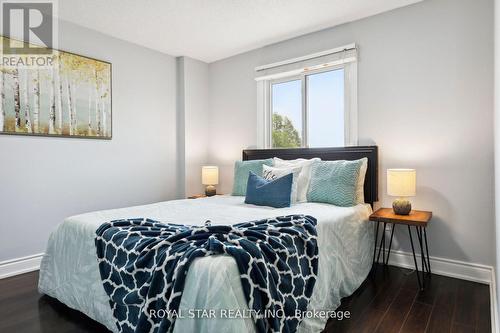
313 106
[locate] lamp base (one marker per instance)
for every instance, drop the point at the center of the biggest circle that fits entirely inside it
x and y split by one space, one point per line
210 191
401 207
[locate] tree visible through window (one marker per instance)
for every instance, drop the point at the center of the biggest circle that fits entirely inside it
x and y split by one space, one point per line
287 114
285 135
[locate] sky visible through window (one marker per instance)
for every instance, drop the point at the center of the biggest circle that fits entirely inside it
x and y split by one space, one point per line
325 107
325 99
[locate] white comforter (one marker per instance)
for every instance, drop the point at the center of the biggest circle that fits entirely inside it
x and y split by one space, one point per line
69 270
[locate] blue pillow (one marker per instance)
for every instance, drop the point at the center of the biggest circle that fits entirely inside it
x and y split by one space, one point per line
334 182
275 193
241 170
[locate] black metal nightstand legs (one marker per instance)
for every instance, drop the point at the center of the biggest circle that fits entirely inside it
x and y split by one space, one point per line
375 245
424 251
427 251
425 259
424 255
414 258
381 248
390 244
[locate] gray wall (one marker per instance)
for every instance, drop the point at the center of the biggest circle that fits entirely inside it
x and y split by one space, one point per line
194 110
44 180
497 145
425 97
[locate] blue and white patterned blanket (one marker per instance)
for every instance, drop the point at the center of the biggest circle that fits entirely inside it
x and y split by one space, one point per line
143 265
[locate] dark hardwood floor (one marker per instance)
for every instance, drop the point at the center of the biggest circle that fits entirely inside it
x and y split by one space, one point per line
388 301
24 310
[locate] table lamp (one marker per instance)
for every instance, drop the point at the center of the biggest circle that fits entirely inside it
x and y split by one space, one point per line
210 177
401 183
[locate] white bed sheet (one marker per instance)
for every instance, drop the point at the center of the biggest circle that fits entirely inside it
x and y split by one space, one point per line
69 270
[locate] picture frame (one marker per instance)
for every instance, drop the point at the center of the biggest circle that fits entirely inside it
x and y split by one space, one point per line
71 97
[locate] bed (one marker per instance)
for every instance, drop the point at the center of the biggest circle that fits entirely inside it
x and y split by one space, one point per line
69 270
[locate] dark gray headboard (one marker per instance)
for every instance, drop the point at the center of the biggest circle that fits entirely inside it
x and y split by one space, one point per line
329 154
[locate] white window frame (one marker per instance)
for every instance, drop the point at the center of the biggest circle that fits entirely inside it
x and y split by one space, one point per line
264 102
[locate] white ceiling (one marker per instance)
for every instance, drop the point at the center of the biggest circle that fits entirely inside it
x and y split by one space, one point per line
210 30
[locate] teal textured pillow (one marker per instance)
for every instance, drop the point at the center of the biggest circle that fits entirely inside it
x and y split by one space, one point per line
242 170
334 182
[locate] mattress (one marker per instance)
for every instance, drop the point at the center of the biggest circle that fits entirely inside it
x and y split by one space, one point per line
69 270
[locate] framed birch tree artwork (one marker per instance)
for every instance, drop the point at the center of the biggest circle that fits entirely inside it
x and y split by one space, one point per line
71 97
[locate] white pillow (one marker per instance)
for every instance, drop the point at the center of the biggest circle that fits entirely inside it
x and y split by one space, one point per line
272 173
304 176
360 191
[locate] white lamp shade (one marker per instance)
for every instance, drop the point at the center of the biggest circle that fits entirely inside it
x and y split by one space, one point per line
401 182
210 175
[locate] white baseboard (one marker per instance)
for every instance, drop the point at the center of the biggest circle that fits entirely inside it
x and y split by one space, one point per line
20 265
442 266
447 267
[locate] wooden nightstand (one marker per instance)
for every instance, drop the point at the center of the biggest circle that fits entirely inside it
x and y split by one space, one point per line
417 219
197 196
